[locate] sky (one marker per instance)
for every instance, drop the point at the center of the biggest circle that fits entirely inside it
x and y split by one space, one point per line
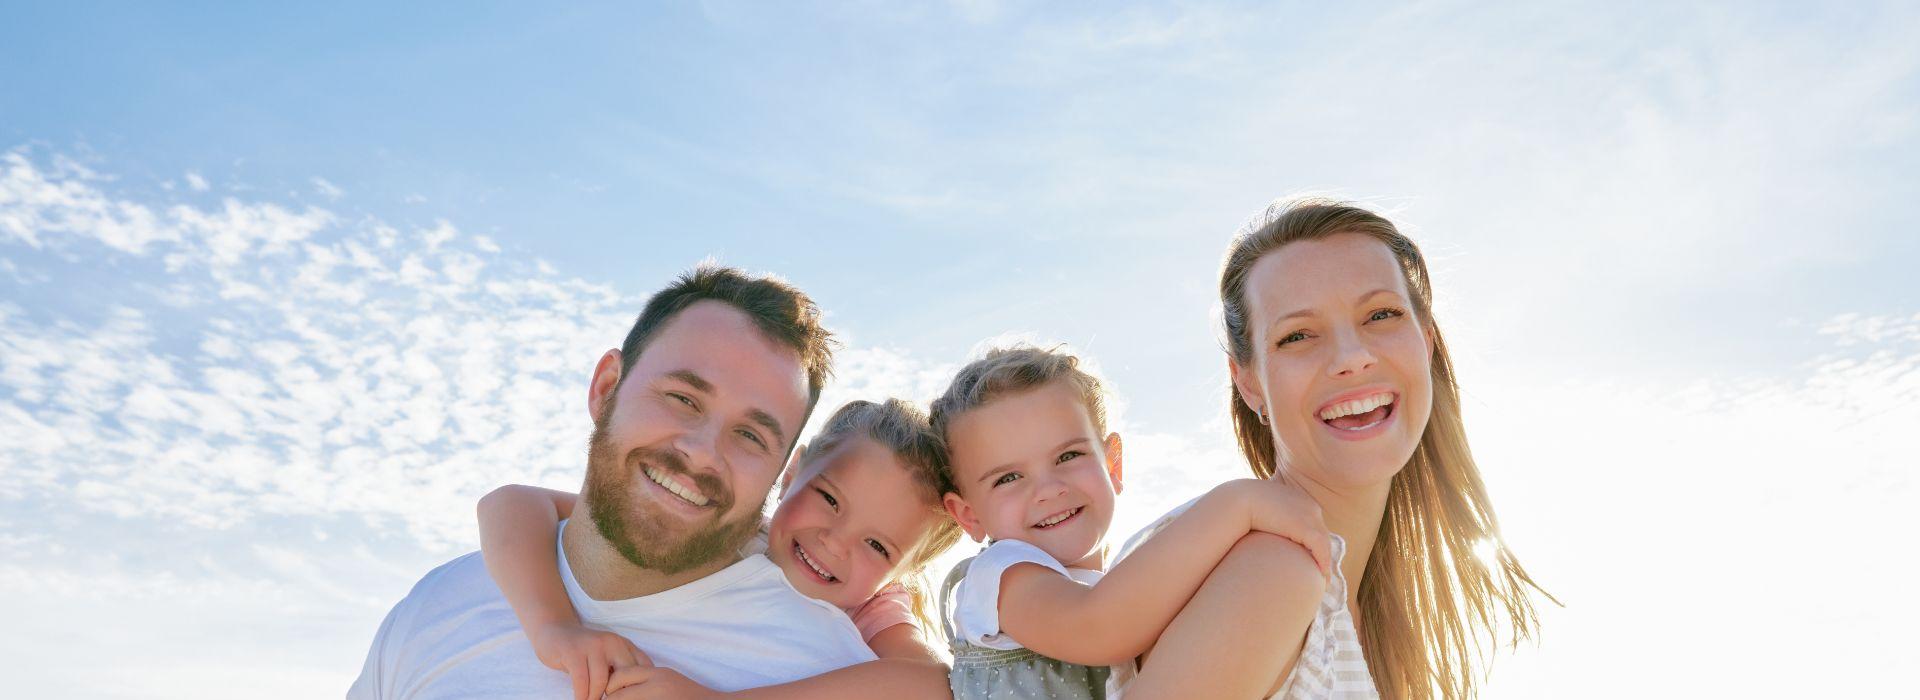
284 290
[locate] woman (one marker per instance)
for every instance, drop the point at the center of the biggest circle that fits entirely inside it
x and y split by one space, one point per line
1342 385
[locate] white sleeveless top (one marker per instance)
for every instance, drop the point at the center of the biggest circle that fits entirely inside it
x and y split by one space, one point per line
1331 664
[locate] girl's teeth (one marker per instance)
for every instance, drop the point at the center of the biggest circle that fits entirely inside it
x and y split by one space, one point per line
802 555
1055 520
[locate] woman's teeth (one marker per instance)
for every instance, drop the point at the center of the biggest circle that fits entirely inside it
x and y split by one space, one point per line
1055 520
685 494
1356 406
801 554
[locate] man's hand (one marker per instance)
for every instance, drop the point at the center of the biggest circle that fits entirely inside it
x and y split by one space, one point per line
588 656
654 682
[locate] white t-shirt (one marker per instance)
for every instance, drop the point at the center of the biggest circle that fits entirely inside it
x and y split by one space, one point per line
976 604
454 636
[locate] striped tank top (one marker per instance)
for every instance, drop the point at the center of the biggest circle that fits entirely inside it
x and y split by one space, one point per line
1332 664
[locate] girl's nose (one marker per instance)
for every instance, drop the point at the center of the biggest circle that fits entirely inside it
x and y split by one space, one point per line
835 543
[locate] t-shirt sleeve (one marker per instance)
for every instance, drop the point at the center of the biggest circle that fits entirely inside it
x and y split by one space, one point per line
892 605
374 674
976 609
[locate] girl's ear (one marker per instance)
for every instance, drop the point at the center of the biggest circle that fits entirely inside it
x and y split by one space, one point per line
1112 448
964 515
1245 385
793 467
606 380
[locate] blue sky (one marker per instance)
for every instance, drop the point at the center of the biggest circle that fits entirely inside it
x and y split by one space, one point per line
283 290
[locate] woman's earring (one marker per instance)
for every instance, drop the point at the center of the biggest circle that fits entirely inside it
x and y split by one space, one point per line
1263 415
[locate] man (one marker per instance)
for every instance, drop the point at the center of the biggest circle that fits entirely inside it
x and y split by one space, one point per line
693 417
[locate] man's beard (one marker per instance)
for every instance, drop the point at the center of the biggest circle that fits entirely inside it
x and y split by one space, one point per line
640 533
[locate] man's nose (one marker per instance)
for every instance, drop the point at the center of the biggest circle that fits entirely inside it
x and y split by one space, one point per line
697 446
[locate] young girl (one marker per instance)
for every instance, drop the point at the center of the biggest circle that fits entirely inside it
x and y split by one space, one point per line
854 529
1034 470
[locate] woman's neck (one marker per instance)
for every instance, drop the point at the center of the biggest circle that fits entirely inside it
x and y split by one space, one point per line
1354 515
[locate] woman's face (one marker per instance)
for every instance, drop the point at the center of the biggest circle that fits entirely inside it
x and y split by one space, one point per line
1339 362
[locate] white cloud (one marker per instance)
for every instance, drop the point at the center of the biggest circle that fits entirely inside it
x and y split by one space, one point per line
195 182
327 189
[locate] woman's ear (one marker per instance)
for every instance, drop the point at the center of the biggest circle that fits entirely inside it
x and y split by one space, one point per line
606 381
964 515
1245 385
1112 448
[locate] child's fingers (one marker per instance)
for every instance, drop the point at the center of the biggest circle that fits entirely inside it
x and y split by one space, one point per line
597 666
577 674
622 655
627 677
1321 547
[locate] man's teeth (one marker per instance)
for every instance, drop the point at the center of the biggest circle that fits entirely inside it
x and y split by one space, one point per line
1055 520
802 555
685 494
1356 407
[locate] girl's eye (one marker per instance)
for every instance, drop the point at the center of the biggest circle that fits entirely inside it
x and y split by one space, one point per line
1006 478
831 502
1069 454
1293 337
881 548
1384 314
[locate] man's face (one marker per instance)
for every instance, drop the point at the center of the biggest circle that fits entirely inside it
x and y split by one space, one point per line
687 446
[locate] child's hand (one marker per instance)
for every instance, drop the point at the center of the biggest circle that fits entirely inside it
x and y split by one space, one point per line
1281 508
650 682
588 656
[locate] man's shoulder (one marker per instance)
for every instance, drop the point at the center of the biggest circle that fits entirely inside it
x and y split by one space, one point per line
452 634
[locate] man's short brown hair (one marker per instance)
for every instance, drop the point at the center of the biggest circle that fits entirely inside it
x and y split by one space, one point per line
785 314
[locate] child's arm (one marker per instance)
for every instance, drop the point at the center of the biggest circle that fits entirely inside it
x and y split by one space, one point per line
518 525
1241 633
1120 617
904 641
884 679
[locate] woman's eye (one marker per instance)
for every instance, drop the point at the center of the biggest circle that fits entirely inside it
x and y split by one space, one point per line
1384 314
1069 454
1007 478
831 502
881 548
1293 337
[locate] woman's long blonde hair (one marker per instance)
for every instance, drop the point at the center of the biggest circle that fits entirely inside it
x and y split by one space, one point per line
1426 600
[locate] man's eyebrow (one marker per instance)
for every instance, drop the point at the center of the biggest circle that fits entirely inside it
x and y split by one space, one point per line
766 421
692 379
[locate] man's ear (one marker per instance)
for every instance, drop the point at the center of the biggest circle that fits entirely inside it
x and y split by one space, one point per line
793 467
1112 448
606 380
1246 385
963 514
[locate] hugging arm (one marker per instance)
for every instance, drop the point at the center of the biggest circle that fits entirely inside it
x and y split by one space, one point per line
1241 632
1122 616
518 527
907 668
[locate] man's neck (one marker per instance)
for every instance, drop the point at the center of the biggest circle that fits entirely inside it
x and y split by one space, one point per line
605 575
1355 516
